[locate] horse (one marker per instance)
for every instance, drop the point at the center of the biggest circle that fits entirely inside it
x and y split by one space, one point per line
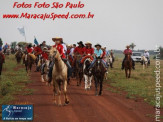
98 73
59 76
28 61
110 61
144 61
128 65
78 70
1 63
87 73
18 56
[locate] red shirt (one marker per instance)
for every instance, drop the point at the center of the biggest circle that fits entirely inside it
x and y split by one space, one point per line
60 49
68 51
88 51
127 51
29 50
104 54
45 55
38 49
79 50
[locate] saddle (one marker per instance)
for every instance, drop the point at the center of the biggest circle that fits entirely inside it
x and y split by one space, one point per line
85 57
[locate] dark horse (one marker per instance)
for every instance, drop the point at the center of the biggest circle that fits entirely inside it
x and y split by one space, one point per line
28 61
78 70
1 62
98 73
18 56
128 65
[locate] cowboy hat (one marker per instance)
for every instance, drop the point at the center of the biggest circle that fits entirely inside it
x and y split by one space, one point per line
128 46
88 42
57 39
97 45
80 42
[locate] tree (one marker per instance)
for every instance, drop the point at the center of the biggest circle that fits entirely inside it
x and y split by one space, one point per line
1 42
132 45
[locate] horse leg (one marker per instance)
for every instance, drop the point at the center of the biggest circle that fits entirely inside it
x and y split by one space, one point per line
86 81
42 78
59 94
100 92
65 93
54 93
129 73
96 84
126 73
90 82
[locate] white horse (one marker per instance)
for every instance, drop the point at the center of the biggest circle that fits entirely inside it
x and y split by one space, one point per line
145 62
87 75
110 61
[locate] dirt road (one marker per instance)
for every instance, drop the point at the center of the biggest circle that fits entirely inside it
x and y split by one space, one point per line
84 106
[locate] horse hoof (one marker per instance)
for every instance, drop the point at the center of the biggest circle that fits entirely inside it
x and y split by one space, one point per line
67 102
54 102
59 105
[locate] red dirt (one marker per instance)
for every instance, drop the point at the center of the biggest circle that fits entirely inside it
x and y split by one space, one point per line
84 106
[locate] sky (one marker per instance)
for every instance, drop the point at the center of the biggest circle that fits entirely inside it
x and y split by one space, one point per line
116 23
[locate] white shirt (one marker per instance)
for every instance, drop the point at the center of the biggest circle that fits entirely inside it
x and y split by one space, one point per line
146 54
65 48
72 51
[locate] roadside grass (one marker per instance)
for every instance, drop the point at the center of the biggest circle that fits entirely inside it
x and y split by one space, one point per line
13 81
140 85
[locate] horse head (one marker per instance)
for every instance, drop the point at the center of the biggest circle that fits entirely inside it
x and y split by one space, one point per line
54 54
87 62
98 65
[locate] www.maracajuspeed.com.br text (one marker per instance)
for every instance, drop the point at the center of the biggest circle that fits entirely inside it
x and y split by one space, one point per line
45 16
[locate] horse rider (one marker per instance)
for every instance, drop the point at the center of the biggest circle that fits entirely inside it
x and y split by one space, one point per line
72 51
1 53
18 49
37 52
45 58
64 47
79 51
98 53
126 52
69 57
146 54
43 45
5 48
88 51
60 49
29 50
112 54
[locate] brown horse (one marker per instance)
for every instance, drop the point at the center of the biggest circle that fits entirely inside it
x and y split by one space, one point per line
59 76
18 56
28 61
98 73
78 70
1 62
128 65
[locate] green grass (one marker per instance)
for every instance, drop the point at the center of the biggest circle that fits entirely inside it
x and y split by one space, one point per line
13 81
141 84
